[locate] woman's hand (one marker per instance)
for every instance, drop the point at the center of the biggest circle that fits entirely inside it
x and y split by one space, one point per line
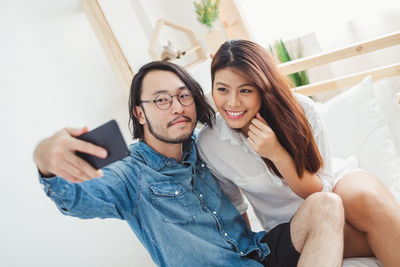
263 139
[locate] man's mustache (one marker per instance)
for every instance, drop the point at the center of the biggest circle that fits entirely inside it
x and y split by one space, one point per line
177 119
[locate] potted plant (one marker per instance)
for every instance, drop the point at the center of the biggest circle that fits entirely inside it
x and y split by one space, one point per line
207 13
280 51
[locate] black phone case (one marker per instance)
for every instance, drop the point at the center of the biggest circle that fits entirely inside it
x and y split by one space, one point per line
109 137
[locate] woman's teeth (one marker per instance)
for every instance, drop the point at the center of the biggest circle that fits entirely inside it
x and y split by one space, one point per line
235 113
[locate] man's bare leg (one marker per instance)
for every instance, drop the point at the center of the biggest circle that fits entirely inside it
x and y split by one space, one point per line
317 230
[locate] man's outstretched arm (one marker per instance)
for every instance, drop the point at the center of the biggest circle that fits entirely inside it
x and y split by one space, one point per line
68 180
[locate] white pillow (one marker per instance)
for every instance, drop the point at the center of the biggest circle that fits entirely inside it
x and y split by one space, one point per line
387 99
356 126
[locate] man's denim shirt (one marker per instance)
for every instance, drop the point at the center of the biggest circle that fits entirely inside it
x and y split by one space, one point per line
176 209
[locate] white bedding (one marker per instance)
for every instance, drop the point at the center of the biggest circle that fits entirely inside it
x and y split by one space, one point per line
362 262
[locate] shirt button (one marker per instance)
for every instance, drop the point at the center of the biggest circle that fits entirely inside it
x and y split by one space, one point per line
176 193
202 165
214 212
201 196
225 234
241 253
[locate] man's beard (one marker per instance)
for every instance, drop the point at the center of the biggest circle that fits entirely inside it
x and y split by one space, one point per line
178 140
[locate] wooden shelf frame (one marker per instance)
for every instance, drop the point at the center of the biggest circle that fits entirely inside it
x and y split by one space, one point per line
382 42
194 40
109 43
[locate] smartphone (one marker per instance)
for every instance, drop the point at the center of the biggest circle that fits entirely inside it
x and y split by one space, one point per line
109 137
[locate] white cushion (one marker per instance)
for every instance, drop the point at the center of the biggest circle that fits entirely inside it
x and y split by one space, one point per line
356 126
387 99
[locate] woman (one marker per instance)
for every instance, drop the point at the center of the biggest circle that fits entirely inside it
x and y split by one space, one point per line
271 145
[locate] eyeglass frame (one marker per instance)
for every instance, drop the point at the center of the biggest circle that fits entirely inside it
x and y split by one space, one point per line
170 102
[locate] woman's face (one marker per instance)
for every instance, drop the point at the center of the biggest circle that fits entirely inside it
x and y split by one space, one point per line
236 98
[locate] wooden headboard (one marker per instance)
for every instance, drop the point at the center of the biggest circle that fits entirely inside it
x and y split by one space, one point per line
339 54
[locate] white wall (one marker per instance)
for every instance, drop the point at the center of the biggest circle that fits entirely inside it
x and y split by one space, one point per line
127 23
287 19
53 73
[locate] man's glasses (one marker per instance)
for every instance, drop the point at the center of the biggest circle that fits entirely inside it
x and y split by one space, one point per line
164 101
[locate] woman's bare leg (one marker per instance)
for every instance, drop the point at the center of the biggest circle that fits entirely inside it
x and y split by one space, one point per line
356 243
371 209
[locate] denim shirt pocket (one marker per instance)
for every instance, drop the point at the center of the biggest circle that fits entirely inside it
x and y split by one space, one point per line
171 201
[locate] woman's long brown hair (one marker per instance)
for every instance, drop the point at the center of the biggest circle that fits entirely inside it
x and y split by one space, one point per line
279 107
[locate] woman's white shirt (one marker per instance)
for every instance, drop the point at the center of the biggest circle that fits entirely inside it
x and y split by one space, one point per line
239 169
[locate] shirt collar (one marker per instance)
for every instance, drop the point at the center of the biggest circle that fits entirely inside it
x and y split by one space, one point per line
227 133
156 160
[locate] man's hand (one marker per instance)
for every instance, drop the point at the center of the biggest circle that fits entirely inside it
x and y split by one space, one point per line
56 156
263 139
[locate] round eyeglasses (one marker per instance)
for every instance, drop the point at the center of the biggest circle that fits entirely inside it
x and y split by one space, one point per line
164 101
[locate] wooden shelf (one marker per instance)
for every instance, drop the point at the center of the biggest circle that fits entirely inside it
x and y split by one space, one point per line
195 42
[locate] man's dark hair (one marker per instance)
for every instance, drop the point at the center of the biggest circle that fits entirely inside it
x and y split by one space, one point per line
205 112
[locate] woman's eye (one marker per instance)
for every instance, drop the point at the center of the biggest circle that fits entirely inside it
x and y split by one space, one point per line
222 90
246 91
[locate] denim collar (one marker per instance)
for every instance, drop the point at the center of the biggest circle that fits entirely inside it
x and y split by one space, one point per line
156 160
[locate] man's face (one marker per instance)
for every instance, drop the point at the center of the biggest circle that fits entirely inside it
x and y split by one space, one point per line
174 124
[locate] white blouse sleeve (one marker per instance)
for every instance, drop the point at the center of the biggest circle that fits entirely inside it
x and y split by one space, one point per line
319 129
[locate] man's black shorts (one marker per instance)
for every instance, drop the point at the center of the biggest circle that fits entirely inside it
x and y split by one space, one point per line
283 253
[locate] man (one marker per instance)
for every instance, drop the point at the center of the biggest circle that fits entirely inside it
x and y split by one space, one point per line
168 196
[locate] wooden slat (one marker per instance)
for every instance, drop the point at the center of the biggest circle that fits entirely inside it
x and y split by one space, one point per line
349 80
109 43
191 50
176 26
349 51
232 21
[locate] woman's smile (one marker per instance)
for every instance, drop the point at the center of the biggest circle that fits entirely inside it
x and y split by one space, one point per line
235 114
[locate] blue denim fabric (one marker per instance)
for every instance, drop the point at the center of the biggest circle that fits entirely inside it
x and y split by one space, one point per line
176 209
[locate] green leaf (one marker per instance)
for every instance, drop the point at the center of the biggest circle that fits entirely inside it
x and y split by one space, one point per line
295 77
304 78
285 54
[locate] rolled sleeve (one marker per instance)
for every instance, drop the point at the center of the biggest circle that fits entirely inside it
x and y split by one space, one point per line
105 197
